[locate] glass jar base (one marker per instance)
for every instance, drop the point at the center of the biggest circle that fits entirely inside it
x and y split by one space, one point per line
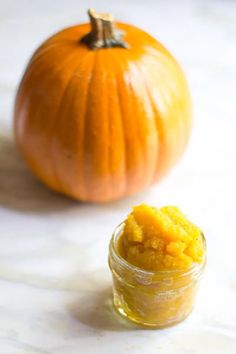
141 323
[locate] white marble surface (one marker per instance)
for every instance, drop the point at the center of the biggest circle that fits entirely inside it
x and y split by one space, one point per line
54 279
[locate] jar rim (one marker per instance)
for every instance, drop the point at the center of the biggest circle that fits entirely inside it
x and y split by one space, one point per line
169 272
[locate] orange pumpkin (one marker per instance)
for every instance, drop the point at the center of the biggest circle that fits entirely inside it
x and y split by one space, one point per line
101 113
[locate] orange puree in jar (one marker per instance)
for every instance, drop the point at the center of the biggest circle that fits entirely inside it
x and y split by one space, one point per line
160 239
157 257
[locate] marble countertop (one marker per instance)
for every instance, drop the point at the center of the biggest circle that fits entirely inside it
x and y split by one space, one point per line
55 286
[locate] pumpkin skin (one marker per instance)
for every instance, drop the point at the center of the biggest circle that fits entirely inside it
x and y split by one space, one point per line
98 125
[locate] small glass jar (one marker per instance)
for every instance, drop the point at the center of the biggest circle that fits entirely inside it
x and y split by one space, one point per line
155 299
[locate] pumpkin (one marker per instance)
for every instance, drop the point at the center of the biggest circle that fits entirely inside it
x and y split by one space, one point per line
102 111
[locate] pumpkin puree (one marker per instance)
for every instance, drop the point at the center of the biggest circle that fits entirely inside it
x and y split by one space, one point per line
160 239
168 255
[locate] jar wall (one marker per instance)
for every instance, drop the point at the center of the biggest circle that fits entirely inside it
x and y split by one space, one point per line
154 299
153 308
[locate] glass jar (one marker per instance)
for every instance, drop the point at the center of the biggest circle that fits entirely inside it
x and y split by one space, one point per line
152 298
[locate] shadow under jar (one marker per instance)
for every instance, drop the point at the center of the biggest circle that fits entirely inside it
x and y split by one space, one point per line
155 299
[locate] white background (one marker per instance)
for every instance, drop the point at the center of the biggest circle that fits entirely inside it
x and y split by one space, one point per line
54 279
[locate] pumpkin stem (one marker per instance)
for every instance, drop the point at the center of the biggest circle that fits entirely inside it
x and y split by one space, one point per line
103 32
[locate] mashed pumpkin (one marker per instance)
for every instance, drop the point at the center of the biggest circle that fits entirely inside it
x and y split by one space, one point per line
160 239
165 256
